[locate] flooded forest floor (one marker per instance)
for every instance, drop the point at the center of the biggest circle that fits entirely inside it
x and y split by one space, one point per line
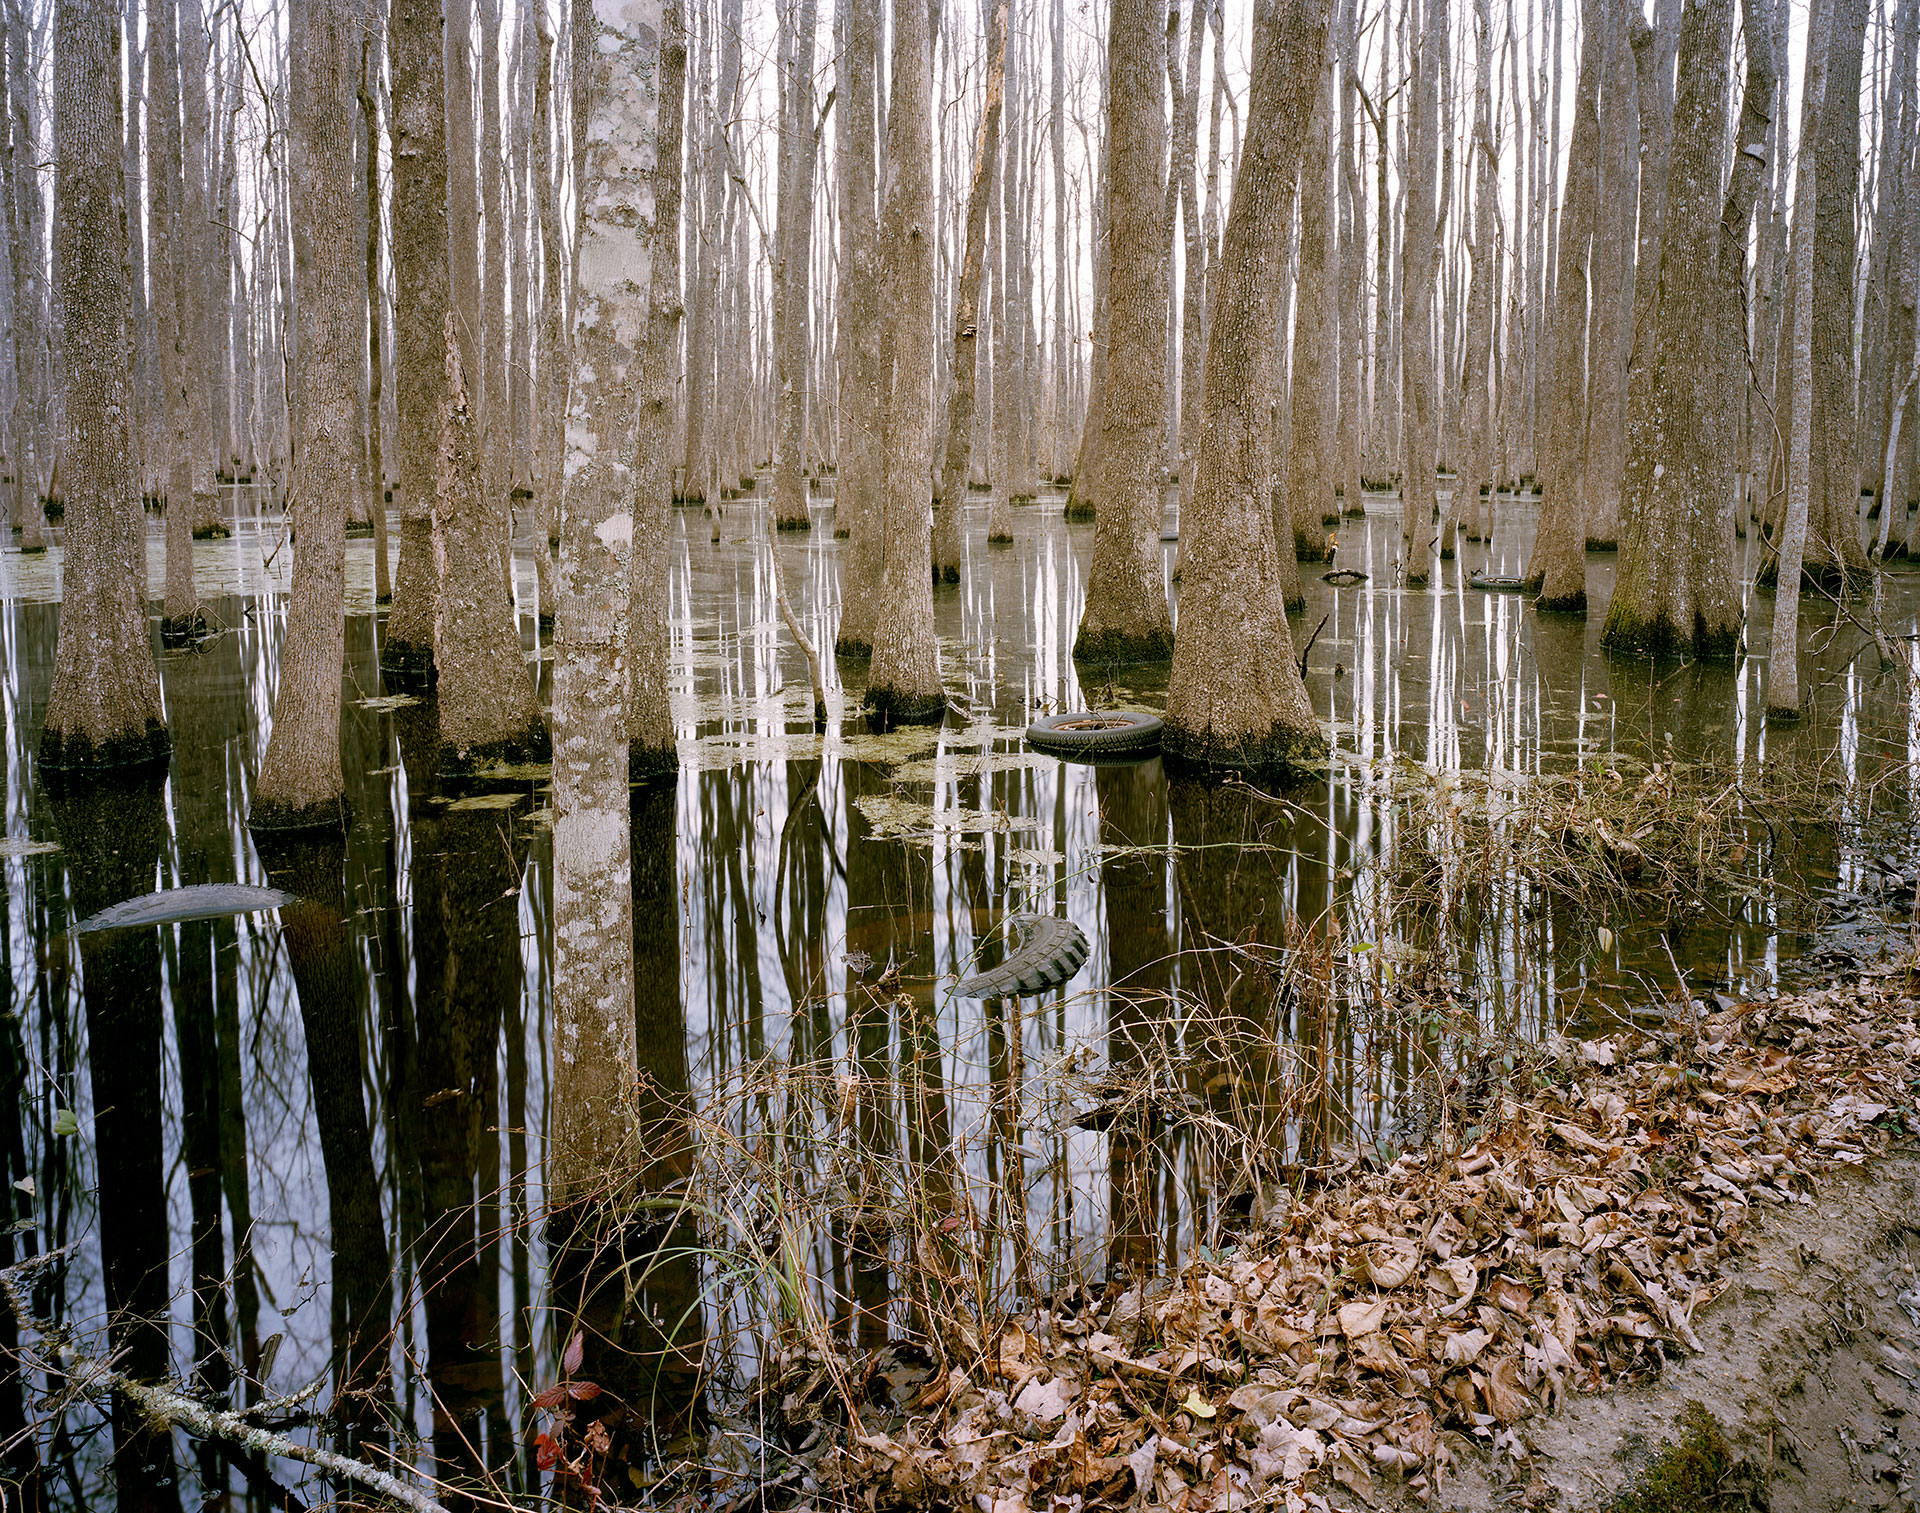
1428 1132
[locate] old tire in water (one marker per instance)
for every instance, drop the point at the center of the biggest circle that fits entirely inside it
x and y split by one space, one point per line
1051 950
1096 733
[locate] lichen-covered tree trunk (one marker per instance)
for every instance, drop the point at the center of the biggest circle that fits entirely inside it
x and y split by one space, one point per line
196 242
1558 565
168 311
1473 509
904 682
1419 263
1613 276
1675 590
23 209
949 507
495 455
1834 556
1235 698
593 1156
103 710
1783 655
1310 472
550 409
793 283
652 752
1193 280
300 785
858 473
1126 618
420 312
463 204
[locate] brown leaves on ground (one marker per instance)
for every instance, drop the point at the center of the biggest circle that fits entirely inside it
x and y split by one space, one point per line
1386 1325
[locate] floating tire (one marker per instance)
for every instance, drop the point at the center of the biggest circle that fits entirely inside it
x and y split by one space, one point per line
1498 585
1051 950
1096 733
1343 577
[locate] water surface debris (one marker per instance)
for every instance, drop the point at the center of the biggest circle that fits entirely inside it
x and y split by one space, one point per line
194 901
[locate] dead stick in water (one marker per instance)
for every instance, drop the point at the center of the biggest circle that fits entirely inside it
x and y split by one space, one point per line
793 629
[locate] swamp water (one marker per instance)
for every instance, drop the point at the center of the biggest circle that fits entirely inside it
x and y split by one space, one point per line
312 1137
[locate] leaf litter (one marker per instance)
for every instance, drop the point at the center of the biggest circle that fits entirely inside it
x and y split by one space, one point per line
1397 1318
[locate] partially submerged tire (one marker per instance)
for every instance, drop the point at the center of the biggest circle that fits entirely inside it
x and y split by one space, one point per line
1051 950
1096 733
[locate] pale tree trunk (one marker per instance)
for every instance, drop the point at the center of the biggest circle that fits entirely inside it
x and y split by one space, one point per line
651 749
525 231
1193 246
1783 655
1311 471
103 711
1419 264
370 54
30 287
1383 433
1770 242
1087 491
1235 697
194 244
463 205
1065 342
1126 618
858 478
1675 590
1834 559
1878 367
169 309
950 506
793 285
1613 280
1003 401
495 457
420 312
904 682
146 388
1558 565
595 1139
1353 273
701 478
550 409
300 786
1903 255
1474 471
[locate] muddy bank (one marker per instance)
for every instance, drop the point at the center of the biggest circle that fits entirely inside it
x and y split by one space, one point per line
1714 1211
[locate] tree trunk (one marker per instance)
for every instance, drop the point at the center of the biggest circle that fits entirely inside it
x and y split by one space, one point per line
1674 589
904 682
1834 558
170 303
949 508
495 457
792 288
652 752
103 710
30 285
1235 697
194 245
1419 265
1474 471
550 409
858 476
1783 656
420 312
594 1153
1126 618
1353 274
300 786
1311 471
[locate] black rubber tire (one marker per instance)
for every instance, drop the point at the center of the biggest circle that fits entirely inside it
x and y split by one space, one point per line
1096 733
1052 950
1497 585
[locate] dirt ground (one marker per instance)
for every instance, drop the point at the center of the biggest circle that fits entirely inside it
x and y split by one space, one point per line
1810 1378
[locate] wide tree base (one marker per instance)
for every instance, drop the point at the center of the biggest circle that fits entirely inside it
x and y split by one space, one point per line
1574 603
407 666
1658 637
1078 509
1001 540
359 530
531 746
652 764
785 524
888 708
1819 577
853 647
212 533
946 575
269 820
1110 648
1282 754
75 757
1602 544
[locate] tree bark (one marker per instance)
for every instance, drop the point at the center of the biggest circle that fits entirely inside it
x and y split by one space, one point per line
1126 618
950 506
169 311
904 681
1474 472
793 309
858 475
195 245
1674 590
103 711
300 786
1235 697
1311 471
1419 263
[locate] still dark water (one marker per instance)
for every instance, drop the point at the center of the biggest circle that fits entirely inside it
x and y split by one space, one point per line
328 1119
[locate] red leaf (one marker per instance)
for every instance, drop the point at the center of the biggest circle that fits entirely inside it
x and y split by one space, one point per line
553 1397
585 1392
576 1348
546 1451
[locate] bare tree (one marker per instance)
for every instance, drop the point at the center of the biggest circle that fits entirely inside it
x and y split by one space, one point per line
1126 618
1310 470
301 786
858 480
792 288
1235 697
904 681
103 710
1420 261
